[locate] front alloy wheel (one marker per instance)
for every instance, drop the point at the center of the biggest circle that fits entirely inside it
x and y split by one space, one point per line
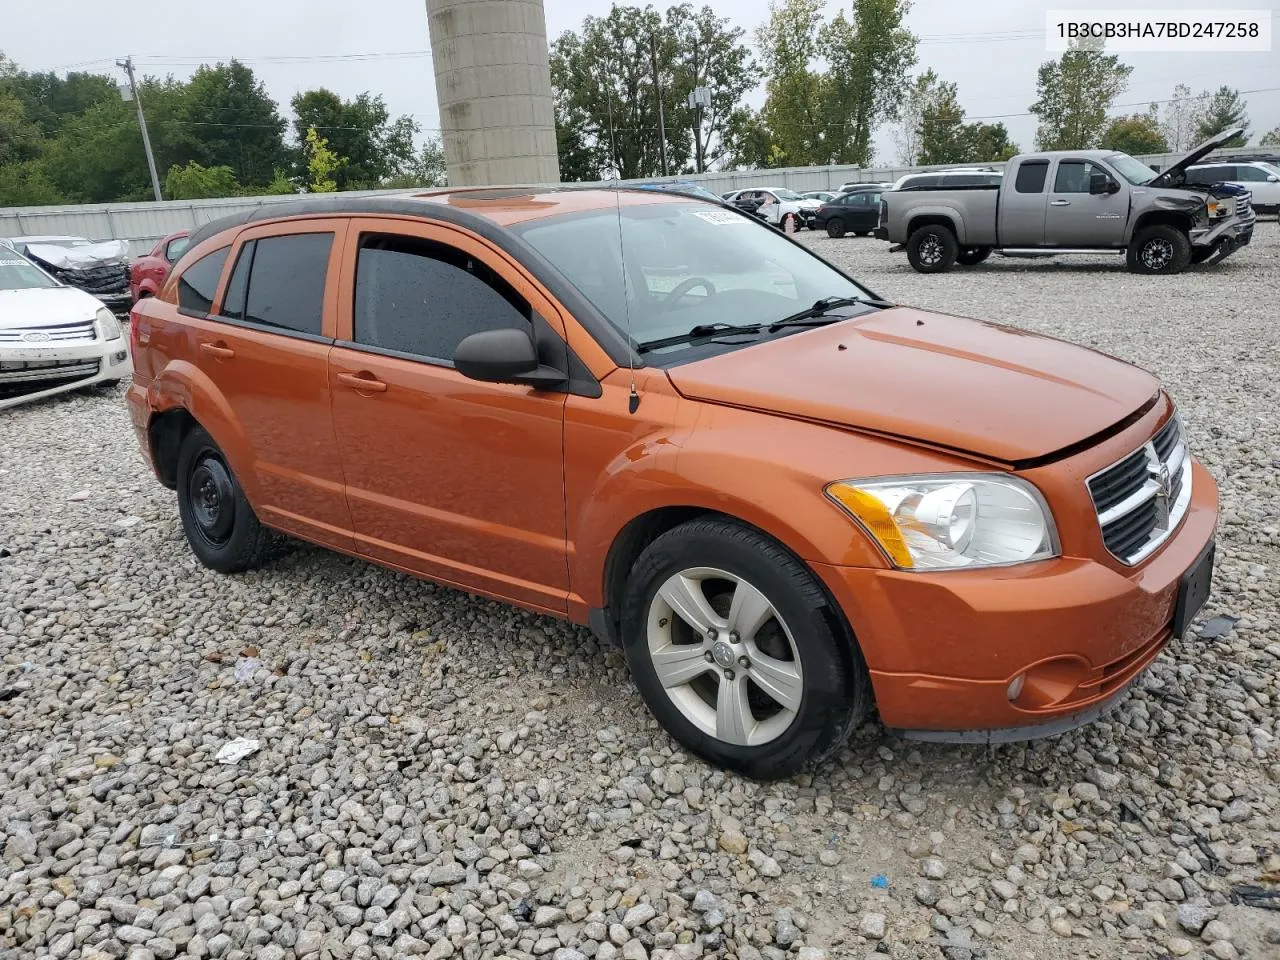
738 652
724 656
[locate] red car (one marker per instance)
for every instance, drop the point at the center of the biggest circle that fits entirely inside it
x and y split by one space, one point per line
147 274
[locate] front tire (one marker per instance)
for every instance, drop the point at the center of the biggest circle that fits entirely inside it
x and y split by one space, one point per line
1159 249
932 248
738 652
221 527
835 228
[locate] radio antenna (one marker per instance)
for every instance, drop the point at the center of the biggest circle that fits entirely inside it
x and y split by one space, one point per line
633 402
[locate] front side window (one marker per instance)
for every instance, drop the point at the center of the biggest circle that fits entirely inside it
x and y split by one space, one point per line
687 264
199 282
176 248
286 282
423 298
1031 176
1073 176
1251 174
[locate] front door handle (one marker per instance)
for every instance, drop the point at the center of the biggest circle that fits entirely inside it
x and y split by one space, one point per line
1059 203
363 382
217 350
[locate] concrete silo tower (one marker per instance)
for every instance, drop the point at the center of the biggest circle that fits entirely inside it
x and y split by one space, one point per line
493 81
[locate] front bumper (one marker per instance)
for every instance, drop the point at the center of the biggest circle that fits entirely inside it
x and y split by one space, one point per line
943 648
1236 231
32 373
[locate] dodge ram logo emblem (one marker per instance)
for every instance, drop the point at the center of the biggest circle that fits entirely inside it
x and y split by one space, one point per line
35 338
1164 496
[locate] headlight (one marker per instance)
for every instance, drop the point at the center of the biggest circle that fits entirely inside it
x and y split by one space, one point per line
1217 209
106 325
949 521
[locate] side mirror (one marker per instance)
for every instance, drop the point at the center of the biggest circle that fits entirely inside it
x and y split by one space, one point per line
1272 178
505 356
1100 183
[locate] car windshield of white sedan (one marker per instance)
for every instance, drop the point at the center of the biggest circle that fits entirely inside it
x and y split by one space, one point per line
786 195
687 265
17 274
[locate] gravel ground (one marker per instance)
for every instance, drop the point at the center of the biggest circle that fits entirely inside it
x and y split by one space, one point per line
442 775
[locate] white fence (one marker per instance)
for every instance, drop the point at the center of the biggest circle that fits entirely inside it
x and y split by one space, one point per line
143 223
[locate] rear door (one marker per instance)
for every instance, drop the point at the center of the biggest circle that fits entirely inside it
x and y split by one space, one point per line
265 345
1077 218
459 480
1022 205
862 211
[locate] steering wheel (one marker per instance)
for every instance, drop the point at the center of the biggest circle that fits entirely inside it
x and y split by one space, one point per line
683 288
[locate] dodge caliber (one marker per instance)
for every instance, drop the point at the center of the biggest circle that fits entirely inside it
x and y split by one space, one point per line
790 501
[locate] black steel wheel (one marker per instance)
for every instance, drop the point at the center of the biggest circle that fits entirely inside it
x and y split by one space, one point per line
221 527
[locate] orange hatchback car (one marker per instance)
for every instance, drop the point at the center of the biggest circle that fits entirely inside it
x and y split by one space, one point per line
788 500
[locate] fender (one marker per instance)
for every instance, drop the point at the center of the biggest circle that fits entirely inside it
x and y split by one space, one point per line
184 385
944 211
719 470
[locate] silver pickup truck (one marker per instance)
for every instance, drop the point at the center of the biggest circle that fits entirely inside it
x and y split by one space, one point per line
1073 201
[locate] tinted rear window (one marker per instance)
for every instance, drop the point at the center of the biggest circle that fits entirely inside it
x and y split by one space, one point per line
199 282
286 282
1031 176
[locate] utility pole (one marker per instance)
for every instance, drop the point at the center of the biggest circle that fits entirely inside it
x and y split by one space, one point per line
657 86
127 65
613 149
697 111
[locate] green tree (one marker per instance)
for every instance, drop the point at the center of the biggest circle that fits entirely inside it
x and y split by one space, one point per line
1137 134
361 130
1223 109
280 185
323 164
749 143
47 98
1074 94
943 136
25 185
427 170
1271 139
868 58
194 182
920 95
710 54
989 142
232 122
1179 118
794 111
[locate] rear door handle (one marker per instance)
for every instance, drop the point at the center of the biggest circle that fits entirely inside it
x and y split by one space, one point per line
363 382
219 350
1059 203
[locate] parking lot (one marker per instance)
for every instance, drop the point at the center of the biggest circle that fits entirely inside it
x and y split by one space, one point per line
441 775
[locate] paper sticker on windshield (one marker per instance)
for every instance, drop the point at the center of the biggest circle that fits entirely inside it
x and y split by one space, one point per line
13 263
721 217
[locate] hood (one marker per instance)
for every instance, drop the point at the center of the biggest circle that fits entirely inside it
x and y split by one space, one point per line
1196 155
965 384
46 306
80 258
808 203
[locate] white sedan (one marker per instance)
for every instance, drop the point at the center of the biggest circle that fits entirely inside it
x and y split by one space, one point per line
776 205
53 338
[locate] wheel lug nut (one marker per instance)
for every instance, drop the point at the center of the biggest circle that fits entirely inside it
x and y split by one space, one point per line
728 674
708 657
733 637
744 661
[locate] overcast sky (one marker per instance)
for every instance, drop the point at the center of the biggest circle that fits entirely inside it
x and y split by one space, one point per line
981 46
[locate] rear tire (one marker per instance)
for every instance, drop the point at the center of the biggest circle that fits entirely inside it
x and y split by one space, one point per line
972 256
221 527
778 688
1159 249
932 248
835 228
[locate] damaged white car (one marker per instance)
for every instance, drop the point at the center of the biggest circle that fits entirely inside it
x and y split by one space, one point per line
100 268
53 337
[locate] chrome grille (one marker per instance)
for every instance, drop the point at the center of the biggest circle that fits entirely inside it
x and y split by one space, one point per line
1142 498
37 336
1243 203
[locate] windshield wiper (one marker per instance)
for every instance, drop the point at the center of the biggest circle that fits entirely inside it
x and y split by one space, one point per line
699 332
815 315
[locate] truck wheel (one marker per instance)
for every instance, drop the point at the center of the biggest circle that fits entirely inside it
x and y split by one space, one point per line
932 248
972 256
835 228
1159 249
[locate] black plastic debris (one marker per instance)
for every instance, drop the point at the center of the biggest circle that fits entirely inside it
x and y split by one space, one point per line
1218 627
1253 896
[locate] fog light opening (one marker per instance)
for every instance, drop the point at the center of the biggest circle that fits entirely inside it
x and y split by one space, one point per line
1015 687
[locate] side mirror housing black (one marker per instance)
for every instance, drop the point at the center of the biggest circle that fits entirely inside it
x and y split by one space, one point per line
1100 183
505 356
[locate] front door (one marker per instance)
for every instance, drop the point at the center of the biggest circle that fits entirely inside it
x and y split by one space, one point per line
265 346
1077 218
458 480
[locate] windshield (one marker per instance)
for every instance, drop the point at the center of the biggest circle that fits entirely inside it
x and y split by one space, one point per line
687 264
787 195
17 274
1135 171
